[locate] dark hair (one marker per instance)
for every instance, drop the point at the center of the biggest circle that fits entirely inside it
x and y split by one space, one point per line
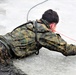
50 16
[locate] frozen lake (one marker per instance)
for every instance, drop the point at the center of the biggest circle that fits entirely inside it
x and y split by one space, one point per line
14 12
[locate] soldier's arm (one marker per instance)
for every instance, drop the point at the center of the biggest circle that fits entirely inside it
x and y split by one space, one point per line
54 42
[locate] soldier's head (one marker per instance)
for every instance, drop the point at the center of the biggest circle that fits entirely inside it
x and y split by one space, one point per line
52 18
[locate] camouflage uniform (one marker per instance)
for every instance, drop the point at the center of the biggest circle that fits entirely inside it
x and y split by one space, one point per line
21 41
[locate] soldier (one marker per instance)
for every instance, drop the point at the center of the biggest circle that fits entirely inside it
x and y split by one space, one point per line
28 38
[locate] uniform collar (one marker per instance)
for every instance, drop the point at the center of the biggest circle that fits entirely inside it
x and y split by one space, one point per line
45 22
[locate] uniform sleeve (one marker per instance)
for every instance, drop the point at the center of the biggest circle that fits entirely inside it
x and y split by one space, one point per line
54 42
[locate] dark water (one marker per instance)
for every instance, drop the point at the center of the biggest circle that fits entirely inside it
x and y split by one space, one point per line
10 69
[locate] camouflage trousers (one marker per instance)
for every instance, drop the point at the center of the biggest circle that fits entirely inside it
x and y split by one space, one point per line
4 56
6 64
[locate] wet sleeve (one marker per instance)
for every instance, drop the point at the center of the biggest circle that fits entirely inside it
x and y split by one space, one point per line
54 42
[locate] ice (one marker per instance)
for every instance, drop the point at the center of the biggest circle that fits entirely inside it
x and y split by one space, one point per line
14 13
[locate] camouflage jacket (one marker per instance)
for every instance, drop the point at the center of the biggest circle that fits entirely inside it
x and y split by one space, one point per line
22 40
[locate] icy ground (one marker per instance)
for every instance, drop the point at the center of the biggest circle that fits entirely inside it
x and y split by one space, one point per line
14 12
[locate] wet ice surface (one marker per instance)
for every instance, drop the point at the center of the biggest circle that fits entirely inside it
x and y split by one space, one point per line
13 13
48 63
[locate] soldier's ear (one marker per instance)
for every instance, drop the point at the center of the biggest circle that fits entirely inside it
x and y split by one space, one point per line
53 27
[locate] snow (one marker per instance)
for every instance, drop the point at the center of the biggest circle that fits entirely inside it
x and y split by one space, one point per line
14 13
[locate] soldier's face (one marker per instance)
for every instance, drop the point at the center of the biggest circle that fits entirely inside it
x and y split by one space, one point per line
53 27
